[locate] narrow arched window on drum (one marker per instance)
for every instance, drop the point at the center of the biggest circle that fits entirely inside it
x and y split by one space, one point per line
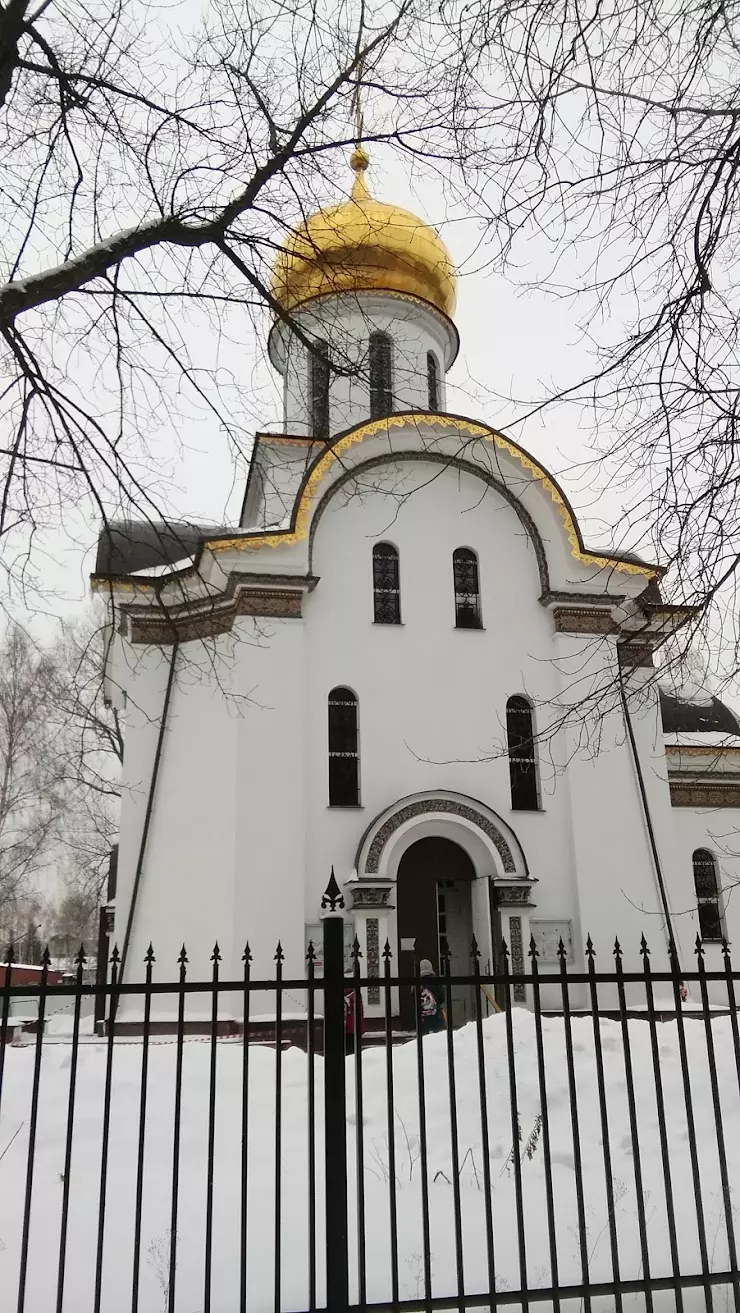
432 381
381 375
318 384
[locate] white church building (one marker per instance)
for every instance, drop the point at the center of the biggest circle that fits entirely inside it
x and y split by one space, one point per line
405 664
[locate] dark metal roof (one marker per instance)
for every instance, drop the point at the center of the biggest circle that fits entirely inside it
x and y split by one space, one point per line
126 546
680 717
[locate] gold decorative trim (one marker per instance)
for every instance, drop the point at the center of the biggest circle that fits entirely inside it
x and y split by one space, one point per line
581 620
100 583
288 440
404 420
709 796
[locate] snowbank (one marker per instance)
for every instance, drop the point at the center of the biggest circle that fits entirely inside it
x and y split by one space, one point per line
119 1236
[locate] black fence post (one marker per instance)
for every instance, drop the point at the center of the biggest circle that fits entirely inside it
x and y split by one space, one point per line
335 1114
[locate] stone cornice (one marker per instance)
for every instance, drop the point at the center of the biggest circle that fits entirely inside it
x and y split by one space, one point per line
703 749
693 793
512 895
290 440
579 600
583 620
637 637
272 596
633 656
365 894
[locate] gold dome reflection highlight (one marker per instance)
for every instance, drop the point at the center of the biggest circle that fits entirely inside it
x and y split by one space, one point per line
364 245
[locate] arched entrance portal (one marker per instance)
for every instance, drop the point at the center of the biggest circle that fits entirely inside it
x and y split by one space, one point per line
435 914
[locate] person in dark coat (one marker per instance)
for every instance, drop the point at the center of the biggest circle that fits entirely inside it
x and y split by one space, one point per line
350 1029
433 999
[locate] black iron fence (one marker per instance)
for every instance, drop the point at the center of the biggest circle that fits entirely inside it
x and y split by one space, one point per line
577 1157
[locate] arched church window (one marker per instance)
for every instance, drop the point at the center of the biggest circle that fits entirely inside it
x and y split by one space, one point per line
467 588
707 894
318 379
432 381
344 749
381 381
386 585
522 759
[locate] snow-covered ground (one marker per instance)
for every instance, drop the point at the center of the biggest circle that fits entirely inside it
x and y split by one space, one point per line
119 1234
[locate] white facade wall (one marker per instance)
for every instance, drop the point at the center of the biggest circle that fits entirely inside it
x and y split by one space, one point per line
432 697
242 838
186 890
270 824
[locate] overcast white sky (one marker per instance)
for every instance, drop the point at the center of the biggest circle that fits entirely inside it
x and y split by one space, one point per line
515 342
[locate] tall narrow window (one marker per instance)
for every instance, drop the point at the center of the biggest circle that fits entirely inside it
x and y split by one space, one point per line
467 590
432 381
318 376
386 585
522 760
707 894
344 751
381 382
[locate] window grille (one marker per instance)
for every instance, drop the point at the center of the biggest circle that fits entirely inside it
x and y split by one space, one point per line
522 760
381 382
467 591
386 585
432 381
707 894
344 754
318 369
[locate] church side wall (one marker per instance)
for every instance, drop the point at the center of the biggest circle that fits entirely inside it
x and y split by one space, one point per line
270 822
243 839
186 889
617 890
648 730
143 673
719 831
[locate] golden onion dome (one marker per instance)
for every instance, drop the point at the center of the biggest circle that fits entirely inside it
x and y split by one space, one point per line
364 245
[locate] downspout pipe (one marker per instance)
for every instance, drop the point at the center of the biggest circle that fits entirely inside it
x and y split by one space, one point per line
147 821
672 945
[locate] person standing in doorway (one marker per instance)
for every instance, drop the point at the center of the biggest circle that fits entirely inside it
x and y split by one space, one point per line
352 1030
433 999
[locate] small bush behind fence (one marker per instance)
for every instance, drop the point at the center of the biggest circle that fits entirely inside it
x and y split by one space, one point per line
526 1159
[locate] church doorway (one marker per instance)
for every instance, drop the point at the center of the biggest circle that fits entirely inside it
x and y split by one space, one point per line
435 914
